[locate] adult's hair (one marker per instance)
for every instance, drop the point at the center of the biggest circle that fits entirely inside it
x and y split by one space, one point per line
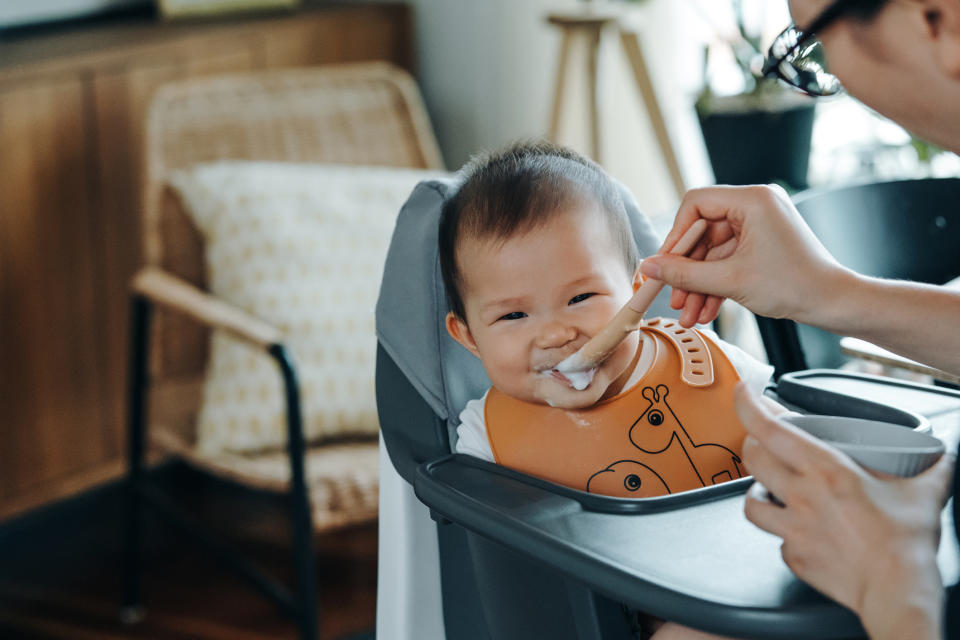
519 189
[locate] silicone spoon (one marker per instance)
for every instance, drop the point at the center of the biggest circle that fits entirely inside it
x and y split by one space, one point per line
577 368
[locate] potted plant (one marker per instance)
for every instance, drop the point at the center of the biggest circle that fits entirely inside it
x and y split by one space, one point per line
761 134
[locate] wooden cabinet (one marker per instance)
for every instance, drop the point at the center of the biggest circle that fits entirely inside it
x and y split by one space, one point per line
72 108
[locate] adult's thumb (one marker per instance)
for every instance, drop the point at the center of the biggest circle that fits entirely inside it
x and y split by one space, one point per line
710 278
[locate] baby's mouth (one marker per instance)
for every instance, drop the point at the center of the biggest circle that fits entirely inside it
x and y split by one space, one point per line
578 380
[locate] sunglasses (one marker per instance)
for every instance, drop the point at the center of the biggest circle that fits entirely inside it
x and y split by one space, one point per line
796 55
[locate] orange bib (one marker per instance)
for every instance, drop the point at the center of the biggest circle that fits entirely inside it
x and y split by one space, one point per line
674 430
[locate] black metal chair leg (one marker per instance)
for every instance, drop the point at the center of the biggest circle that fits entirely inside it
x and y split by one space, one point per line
306 599
299 501
782 344
132 610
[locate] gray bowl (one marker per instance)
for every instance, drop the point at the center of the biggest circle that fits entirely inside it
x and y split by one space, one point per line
880 446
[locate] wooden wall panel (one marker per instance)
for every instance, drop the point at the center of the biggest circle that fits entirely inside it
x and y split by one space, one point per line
50 383
369 33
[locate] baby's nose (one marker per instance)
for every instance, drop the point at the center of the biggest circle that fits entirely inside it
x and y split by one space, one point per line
555 334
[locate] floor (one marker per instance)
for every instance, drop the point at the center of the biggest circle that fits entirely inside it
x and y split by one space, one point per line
60 569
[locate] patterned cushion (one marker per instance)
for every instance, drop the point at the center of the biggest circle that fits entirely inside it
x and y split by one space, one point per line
302 247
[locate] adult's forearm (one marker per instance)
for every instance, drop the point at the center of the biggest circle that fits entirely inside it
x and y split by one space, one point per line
917 321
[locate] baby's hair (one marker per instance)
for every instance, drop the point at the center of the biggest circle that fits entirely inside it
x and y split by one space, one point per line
519 189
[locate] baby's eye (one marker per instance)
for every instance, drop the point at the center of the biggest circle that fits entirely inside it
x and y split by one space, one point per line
513 315
580 298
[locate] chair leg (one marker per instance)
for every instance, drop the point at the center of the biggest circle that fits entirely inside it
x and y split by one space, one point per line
132 609
299 501
782 343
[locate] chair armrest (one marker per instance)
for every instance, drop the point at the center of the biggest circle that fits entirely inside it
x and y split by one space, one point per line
870 352
166 289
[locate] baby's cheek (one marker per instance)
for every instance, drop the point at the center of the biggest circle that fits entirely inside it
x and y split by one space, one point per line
506 361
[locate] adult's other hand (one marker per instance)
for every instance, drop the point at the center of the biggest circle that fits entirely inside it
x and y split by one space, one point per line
757 250
866 541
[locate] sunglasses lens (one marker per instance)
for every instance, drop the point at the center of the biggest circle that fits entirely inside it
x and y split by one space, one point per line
804 66
785 42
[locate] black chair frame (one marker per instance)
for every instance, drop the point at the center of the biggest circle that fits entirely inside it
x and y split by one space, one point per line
302 604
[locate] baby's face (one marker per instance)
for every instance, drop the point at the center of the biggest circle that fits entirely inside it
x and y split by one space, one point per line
536 298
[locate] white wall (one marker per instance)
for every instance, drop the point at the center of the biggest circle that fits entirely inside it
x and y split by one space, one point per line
487 69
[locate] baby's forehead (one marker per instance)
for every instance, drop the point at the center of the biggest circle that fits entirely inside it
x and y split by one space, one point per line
489 258
534 230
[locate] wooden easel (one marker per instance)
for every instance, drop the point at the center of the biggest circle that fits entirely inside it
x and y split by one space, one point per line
591 25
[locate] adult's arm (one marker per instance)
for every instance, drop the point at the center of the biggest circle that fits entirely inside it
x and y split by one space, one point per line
759 252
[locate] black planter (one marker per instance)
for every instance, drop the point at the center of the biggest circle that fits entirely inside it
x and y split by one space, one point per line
759 147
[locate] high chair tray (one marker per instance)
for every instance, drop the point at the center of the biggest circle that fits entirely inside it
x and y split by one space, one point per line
702 564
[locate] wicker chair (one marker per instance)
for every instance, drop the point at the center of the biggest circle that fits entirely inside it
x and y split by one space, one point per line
369 114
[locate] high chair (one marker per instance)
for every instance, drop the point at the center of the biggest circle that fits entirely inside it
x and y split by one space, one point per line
474 551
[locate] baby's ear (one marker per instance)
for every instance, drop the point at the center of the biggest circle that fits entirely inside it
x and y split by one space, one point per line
459 331
638 278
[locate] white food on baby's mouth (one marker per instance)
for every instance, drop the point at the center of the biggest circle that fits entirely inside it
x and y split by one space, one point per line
571 364
572 368
579 380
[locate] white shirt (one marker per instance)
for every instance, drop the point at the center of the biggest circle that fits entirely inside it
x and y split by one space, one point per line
472 432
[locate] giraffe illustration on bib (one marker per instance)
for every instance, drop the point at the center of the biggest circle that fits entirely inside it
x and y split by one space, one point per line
637 478
658 431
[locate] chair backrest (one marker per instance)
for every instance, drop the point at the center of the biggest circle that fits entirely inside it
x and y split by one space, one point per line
358 114
424 377
905 229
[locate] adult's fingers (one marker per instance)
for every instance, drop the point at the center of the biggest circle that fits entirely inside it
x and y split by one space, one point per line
714 278
699 251
678 298
722 250
769 470
691 302
710 310
706 310
691 309
797 450
939 478
703 309
681 223
766 514
716 243
714 204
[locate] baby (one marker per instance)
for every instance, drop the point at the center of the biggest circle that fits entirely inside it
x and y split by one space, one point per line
537 256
